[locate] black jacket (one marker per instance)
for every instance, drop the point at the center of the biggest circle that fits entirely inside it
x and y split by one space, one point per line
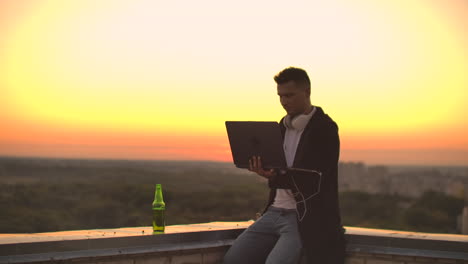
321 230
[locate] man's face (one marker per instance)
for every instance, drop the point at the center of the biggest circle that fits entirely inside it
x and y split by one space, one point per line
294 99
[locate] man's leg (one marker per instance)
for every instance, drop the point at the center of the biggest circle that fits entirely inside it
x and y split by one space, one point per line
255 243
288 248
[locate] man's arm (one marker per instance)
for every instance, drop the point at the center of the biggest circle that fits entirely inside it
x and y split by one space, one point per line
276 178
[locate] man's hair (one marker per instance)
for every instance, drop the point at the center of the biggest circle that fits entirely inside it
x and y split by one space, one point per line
298 75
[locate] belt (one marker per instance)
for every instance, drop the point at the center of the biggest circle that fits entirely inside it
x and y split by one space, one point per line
281 210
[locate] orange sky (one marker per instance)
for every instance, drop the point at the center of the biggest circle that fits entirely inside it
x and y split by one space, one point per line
156 80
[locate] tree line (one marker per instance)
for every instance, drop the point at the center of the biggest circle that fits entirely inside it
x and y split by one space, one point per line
53 196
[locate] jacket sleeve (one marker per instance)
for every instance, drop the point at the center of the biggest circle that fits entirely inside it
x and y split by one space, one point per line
281 181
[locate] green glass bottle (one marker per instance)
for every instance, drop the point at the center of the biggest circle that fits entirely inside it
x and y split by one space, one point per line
159 207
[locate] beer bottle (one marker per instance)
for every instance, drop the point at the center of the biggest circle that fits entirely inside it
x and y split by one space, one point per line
158 211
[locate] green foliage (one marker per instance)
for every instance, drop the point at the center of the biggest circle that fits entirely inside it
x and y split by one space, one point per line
371 210
432 212
53 195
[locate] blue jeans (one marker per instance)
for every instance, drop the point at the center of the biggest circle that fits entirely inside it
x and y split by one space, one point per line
273 238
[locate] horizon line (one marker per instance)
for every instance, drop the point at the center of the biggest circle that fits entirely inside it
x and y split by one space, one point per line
2 156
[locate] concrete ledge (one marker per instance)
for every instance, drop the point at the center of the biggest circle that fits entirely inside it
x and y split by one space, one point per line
207 243
92 248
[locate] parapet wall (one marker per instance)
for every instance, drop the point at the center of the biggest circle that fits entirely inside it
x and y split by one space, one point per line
207 244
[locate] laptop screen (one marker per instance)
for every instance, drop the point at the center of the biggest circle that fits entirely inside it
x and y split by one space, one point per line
256 138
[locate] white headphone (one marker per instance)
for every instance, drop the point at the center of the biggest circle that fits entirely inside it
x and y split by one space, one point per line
298 122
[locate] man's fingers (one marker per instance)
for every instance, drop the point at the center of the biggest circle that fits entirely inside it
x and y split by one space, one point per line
255 165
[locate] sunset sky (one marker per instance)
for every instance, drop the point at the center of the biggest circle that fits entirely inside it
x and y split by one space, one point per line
150 79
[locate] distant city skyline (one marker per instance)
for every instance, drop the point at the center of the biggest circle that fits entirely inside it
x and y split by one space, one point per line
156 80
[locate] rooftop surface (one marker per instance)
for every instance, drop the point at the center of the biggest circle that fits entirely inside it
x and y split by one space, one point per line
116 232
214 237
147 231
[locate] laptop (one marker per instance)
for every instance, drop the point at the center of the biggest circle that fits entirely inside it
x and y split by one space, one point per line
256 138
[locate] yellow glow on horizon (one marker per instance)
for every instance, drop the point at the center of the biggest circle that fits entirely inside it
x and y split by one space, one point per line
383 70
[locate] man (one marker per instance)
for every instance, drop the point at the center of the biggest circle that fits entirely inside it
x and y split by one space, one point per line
302 216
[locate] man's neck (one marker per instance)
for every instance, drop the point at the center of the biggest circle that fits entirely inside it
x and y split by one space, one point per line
308 109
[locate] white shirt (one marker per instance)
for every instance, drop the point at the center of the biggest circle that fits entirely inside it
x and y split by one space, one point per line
284 197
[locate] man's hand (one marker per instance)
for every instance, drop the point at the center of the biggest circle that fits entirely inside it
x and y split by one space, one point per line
255 165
